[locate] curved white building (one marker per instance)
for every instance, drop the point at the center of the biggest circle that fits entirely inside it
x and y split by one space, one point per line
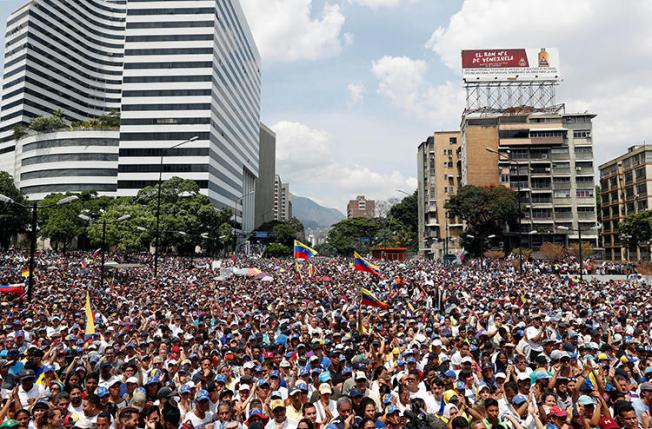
67 161
60 54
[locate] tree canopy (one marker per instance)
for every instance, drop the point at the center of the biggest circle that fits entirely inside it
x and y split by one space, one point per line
13 217
636 228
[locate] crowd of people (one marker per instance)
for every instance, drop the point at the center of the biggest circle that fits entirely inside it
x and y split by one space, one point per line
446 347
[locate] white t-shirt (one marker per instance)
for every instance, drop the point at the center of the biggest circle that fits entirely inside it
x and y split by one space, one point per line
530 333
37 391
196 421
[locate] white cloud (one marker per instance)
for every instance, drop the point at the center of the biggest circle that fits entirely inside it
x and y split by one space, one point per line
605 54
285 30
304 159
356 93
403 81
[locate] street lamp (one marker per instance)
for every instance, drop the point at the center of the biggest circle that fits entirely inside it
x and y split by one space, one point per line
579 232
164 151
32 249
103 247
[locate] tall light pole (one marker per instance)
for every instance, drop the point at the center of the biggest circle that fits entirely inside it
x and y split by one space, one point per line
164 151
579 236
32 248
103 245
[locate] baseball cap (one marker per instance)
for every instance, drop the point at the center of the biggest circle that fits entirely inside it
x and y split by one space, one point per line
355 393
256 413
519 399
360 375
101 391
608 423
9 423
647 386
585 400
201 395
133 380
558 412
276 403
393 409
325 388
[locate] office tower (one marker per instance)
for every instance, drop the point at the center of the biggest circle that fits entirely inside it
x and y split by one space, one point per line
191 70
266 176
625 184
439 177
282 200
61 56
174 70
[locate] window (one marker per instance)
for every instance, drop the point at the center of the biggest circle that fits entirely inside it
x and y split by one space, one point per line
641 189
640 173
514 134
585 210
584 193
629 178
581 134
452 140
564 193
183 24
547 134
70 188
69 172
642 205
70 157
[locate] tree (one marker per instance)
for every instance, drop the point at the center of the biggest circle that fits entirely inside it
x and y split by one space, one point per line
47 124
275 250
183 209
407 211
355 234
284 232
13 217
124 236
60 224
485 210
636 228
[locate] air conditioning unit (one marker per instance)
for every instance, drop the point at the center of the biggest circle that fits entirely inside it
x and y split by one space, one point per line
578 168
547 169
588 134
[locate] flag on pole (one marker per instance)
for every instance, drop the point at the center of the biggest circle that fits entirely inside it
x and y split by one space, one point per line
523 300
90 317
301 251
368 298
411 308
25 272
83 264
311 270
96 253
361 264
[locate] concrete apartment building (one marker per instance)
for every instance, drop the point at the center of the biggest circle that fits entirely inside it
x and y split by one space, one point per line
439 177
547 158
360 207
624 184
282 200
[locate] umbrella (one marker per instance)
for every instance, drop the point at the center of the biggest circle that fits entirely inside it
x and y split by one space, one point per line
260 276
325 279
253 272
267 279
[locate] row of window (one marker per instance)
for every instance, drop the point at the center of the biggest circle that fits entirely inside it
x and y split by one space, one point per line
174 24
70 172
70 142
173 11
72 187
167 93
170 38
180 136
169 65
66 157
185 78
165 121
169 51
51 5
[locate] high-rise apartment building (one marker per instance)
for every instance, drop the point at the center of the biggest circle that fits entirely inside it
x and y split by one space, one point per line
360 207
175 70
547 158
626 187
282 200
439 176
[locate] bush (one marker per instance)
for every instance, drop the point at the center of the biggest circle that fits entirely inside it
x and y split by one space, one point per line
574 249
551 251
46 124
20 131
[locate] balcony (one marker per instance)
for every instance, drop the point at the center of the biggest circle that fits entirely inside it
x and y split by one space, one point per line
560 156
584 156
562 185
547 140
584 171
561 170
583 215
563 215
540 172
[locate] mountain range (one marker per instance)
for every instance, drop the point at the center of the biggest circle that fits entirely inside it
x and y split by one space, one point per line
313 215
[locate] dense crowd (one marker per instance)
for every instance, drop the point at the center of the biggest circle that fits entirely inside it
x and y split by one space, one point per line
458 346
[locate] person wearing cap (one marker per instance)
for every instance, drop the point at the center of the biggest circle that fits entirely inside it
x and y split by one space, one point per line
644 401
362 384
279 420
535 334
200 414
325 406
28 391
295 409
256 416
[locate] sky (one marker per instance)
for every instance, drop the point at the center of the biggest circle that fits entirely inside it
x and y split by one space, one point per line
352 87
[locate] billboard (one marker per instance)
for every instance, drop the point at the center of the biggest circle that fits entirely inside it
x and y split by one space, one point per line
496 65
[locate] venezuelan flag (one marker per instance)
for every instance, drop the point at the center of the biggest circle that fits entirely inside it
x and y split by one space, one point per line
301 251
368 298
523 300
361 264
90 317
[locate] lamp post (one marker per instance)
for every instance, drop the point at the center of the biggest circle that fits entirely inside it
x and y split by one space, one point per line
164 151
579 236
32 248
103 245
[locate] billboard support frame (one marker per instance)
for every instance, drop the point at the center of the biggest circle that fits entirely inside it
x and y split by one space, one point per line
499 96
